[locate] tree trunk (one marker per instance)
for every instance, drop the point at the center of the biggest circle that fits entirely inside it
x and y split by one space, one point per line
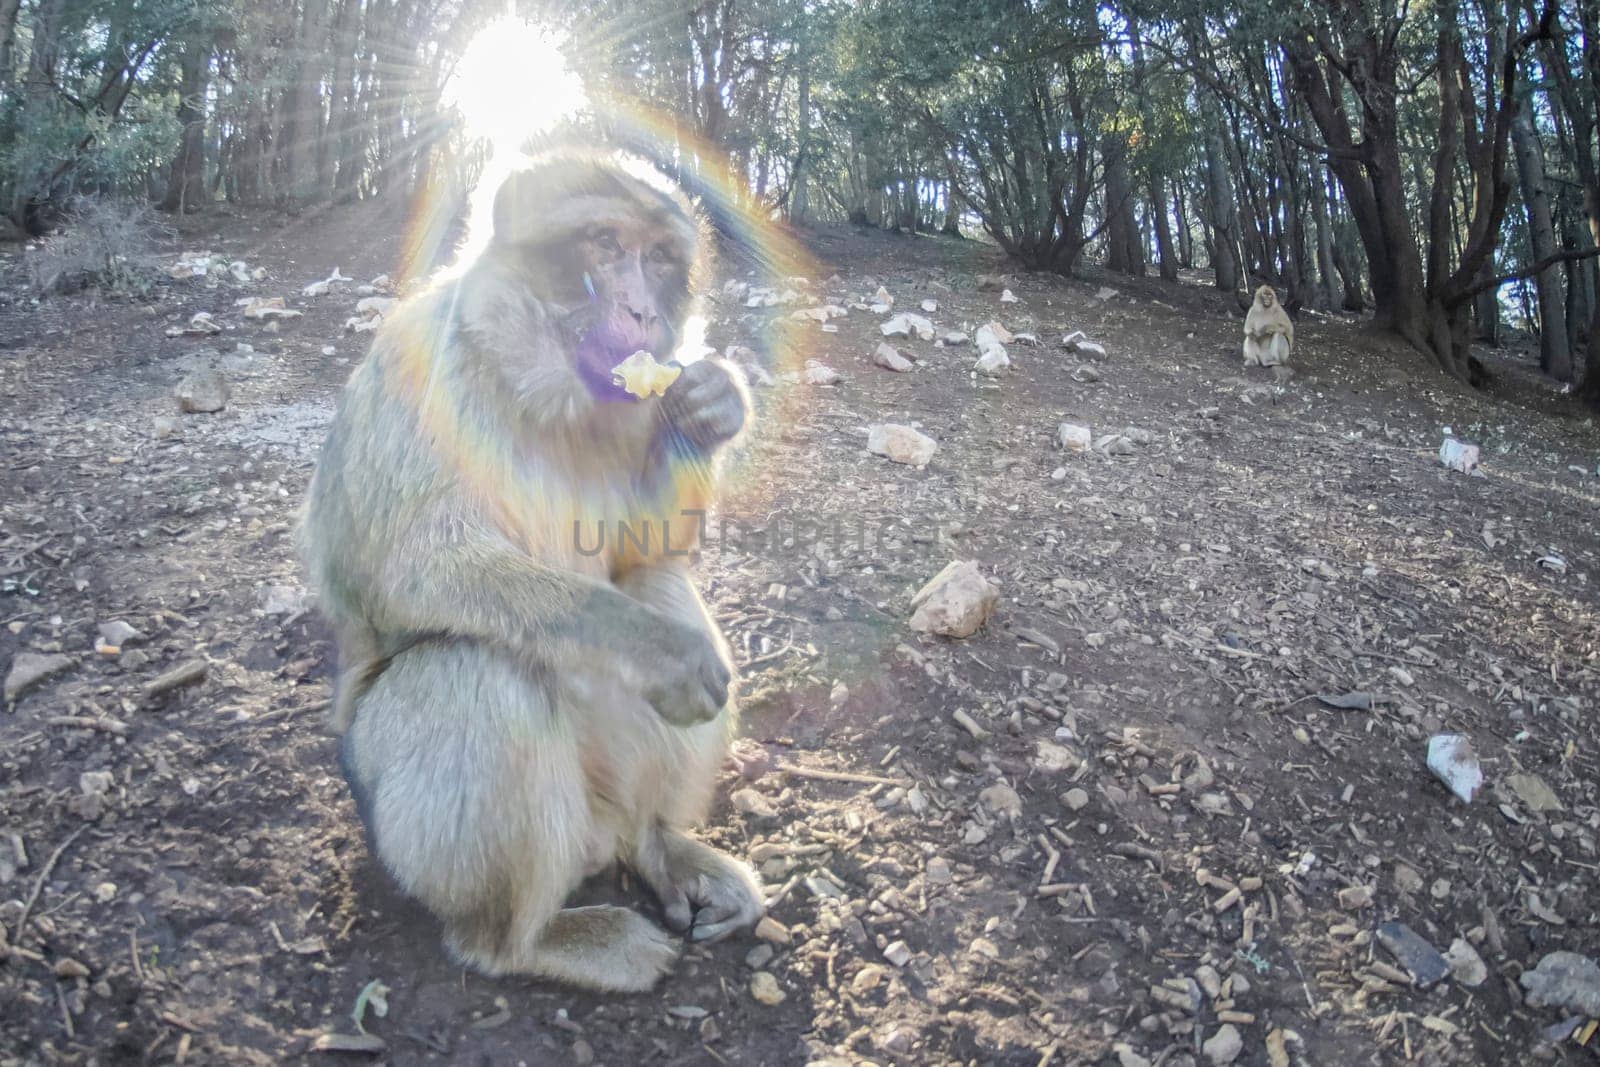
1224 210
1185 237
799 204
1328 283
1554 354
1163 227
1486 309
186 186
1124 254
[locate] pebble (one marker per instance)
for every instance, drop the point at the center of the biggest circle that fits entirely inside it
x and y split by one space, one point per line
30 669
1466 966
764 988
1419 959
770 929
868 978
1223 1046
897 953
1075 799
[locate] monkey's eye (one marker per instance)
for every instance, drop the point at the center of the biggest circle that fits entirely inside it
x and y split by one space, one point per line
662 254
606 241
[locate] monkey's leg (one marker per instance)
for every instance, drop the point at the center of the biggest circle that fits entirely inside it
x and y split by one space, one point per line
701 890
1252 352
1277 350
470 782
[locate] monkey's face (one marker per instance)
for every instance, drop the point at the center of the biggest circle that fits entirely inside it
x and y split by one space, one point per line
608 247
635 287
1266 296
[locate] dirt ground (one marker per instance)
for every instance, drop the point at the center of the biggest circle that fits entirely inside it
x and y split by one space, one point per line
1114 824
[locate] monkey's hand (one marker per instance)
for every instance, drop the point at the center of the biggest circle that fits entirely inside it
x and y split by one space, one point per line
705 404
684 677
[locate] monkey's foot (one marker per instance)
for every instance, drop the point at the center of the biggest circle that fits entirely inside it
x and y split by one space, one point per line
703 892
606 948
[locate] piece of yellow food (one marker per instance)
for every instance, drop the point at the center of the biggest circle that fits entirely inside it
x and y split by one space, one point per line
642 376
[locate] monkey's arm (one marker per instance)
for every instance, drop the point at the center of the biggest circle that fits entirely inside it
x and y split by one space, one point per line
475 585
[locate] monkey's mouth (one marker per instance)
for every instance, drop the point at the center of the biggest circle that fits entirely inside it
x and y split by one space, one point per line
608 342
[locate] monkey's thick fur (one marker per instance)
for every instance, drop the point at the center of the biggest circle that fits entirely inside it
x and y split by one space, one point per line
517 710
1268 331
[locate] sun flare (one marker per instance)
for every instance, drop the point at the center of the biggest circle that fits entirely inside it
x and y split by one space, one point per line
512 82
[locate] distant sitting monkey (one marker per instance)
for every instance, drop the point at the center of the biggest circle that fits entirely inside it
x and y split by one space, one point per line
1268 333
523 700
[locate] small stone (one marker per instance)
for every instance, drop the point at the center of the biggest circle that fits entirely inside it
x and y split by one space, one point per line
1414 954
1564 980
897 953
821 374
867 979
753 804
1466 966
1075 799
105 892
764 988
1073 437
1355 897
30 669
1002 800
907 325
67 967
889 358
901 444
1223 1046
202 391
1127 1057
955 602
759 956
95 783
162 427
1406 879
770 929
582 1053
939 871
118 633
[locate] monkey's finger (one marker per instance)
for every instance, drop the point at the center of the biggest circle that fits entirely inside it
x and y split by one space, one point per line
676 910
715 929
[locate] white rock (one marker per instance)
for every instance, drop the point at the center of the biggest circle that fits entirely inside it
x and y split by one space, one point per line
906 324
1466 966
290 600
886 356
1564 980
1073 437
1008 297
1458 455
1223 1046
1451 759
955 602
882 297
119 633
29 669
901 444
202 391
992 361
996 331
930 306
821 374
954 337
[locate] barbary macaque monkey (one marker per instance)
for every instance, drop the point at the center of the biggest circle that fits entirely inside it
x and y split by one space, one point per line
1268 333
521 701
